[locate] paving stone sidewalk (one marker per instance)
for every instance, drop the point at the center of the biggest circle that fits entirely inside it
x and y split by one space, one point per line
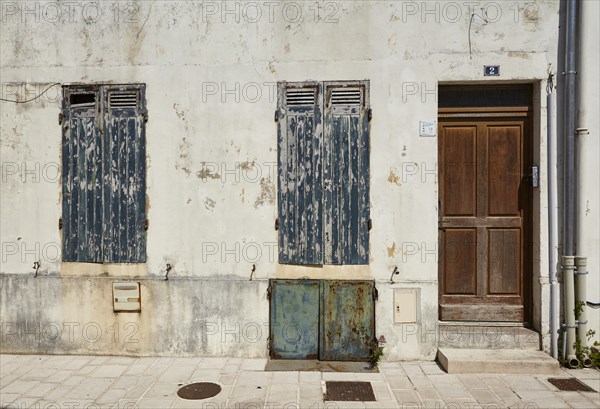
58 381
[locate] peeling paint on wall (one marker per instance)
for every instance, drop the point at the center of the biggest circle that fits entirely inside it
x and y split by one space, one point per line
209 204
392 250
394 177
183 161
267 193
206 173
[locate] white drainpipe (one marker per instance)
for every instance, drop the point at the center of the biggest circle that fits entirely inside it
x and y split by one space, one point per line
552 218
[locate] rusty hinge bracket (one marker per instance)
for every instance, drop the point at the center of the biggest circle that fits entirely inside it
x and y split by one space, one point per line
370 224
146 224
370 114
276 116
60 118
269 293
277 224
375 294
145 116
60 223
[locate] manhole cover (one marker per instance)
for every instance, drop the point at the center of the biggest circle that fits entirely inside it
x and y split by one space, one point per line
200 390
349 391
570 384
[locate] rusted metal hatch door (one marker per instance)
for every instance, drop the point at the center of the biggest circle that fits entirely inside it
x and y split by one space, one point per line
347 320
328 320
294 327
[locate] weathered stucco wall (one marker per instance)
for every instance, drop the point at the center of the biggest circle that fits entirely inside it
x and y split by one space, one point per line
211 70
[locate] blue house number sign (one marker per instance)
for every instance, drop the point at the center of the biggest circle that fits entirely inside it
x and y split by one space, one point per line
491 71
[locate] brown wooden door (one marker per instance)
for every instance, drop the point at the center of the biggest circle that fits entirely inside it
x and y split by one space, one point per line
485 232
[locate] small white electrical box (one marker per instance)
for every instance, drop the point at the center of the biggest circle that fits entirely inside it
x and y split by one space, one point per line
126 297
427 128
405 306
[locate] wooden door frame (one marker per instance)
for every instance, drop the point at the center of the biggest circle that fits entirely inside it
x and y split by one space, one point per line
481 114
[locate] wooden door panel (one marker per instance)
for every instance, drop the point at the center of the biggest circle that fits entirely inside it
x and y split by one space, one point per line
460 261
482 312
504 169
460 171
485 203
504 261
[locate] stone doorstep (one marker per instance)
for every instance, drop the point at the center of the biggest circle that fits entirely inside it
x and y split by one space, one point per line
506 361
487 335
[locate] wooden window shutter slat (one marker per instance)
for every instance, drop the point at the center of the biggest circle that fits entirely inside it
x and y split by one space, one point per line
346 173
300 165
125 175
81 176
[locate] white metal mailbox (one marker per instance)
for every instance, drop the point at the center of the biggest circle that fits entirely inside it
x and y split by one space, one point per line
126 297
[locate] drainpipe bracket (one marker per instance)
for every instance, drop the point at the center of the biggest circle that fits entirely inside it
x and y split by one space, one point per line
568 264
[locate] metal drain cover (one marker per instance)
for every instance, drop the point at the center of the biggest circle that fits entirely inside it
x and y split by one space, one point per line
349 391
570 384
200 390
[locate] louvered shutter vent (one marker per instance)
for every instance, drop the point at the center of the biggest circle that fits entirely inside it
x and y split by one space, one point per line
300 96
346 96
123 100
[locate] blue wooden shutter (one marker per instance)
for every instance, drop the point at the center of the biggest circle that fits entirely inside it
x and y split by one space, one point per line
81 175
300 173
124 233
346 172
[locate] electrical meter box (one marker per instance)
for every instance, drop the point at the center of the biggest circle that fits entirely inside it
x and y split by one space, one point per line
405 306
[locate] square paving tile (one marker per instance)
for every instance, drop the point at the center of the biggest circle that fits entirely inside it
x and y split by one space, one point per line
108 371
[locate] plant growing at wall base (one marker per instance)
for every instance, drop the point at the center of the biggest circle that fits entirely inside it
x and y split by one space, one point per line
579 305
581 352
595 354
377 351
559 341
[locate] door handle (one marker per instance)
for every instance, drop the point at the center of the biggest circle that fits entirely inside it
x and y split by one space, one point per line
534 176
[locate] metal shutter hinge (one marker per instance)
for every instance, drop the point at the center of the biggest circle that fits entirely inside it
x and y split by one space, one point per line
146 224
60 224
277 224
370 114
370 224
276 116
145 116
269 293
60 118
375 294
